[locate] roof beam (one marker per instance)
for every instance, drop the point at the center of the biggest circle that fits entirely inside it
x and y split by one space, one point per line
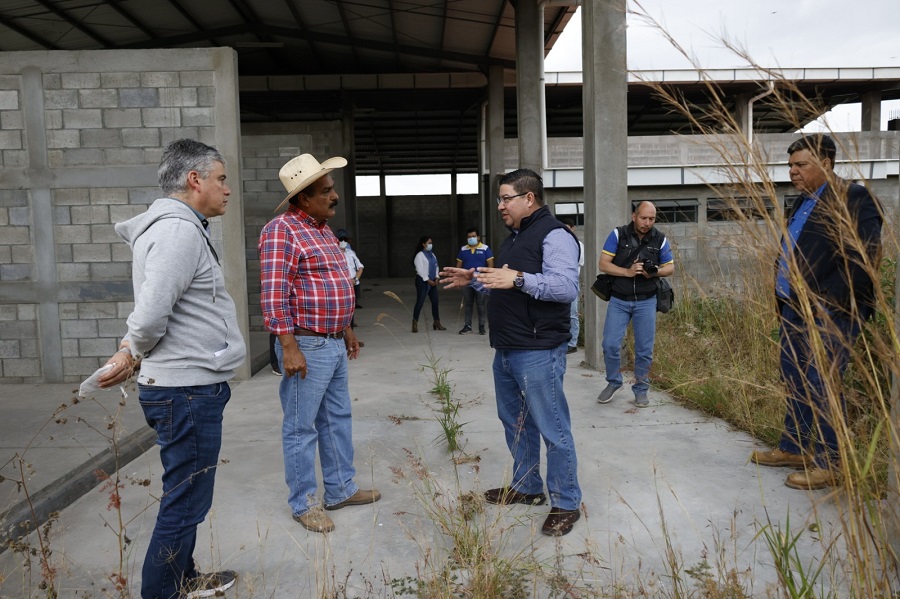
444 25
325 38
301 25
11 25
76 24
116 6
496 28
346 22
187 16
391 11
247 13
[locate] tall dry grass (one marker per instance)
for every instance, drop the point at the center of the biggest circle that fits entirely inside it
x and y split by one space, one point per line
721 351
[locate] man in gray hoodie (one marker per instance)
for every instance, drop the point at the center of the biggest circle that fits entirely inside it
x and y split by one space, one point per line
184 334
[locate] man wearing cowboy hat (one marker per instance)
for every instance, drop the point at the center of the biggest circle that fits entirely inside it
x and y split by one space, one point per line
308 302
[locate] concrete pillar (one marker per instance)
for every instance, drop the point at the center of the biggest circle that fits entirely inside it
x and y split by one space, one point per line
495 138
348 125
530 83
871 112
455 211
605 141
742 112
385 209
45 278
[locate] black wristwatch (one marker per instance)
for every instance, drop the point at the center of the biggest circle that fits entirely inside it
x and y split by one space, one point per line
519 282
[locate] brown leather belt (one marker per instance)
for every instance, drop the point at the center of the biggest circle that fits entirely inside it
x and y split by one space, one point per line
308 333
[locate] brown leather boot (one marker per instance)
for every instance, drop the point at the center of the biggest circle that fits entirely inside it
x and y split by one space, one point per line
438 326
415 328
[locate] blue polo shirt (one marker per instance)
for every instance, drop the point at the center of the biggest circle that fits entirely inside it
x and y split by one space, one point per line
794 228
473 257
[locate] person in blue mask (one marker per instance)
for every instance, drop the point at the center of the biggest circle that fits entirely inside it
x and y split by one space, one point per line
427 269
474 255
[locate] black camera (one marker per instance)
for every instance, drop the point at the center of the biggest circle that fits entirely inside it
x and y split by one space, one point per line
650 268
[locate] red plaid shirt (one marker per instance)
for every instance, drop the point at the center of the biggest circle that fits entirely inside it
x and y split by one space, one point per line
304 276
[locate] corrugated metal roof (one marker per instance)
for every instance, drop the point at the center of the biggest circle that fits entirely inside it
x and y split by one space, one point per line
413 71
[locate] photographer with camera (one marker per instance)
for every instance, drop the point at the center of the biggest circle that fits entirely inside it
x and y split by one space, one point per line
634 256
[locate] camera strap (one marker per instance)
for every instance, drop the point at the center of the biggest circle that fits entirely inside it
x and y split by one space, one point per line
626 252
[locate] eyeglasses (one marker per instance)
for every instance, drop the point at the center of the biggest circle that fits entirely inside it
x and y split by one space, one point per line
506 199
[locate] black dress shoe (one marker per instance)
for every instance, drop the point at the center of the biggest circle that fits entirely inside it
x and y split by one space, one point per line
560 522
507 496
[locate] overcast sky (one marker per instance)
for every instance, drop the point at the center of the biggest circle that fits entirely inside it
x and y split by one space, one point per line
775 33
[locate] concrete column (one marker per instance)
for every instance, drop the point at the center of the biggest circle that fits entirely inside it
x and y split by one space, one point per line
385 210
742 112
530 83
455 211
495 138
348 126
605 141
871 112
228 142
45 278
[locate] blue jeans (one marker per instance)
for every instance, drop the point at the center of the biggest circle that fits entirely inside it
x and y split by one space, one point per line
574 324
531 405
423 289
317 415
642 315
471 298
808 418
188 423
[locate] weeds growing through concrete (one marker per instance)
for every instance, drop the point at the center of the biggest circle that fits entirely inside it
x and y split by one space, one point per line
447 413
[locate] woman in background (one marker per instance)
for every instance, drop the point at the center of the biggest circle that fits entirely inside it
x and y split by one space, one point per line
426 283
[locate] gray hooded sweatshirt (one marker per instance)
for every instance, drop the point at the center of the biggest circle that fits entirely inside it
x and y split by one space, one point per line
184 325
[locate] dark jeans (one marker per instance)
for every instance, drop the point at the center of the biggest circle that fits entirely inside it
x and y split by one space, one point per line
188 422
423 289
479 299
808 421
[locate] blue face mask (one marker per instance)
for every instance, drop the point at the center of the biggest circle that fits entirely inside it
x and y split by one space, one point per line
428 247
473 241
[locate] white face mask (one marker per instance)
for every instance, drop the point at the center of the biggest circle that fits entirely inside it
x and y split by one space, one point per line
343 245
428 247
473 241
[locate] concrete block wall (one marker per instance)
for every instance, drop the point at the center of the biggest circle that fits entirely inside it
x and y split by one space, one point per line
716 256
686 150
81 135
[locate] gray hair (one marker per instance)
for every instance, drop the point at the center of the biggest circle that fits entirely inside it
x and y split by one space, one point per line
181 157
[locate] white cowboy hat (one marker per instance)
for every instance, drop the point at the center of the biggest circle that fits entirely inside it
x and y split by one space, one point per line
299 172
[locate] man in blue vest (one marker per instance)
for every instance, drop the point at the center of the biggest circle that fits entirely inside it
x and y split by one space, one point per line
528 313
826 268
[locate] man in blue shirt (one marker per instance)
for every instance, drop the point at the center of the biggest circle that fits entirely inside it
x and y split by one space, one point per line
634 262
474 255
828 260
529 316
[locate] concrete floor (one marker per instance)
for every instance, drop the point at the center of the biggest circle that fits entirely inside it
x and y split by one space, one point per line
661 485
